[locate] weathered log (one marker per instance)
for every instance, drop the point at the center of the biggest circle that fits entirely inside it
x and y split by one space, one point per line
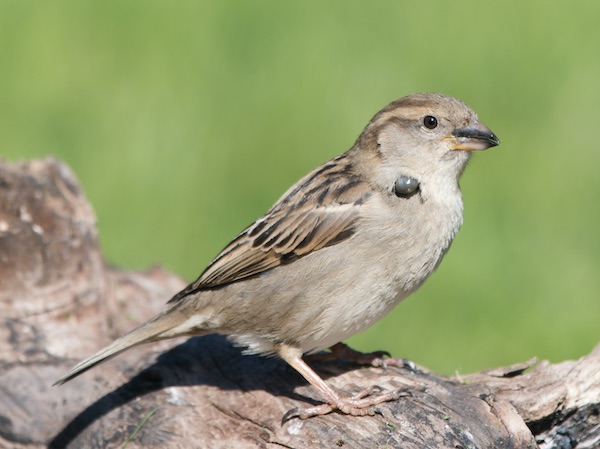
59 302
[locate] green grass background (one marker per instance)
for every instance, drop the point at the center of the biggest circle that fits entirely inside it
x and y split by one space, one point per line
185 120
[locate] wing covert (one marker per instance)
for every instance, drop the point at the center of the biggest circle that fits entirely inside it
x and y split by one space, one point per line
318 211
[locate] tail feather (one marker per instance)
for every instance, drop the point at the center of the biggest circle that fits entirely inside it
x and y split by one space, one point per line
154 330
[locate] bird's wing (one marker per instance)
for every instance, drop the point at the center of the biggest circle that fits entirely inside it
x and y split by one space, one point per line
318 211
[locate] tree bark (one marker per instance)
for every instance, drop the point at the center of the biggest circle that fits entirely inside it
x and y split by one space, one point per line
59 302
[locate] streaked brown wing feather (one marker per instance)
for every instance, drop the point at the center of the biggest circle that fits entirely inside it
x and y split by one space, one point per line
318 211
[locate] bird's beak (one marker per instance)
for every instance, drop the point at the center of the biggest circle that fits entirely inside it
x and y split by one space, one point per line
472 138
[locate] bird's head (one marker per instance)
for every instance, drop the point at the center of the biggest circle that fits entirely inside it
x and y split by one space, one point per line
424 136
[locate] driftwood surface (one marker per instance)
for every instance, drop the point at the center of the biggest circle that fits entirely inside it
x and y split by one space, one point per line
59 302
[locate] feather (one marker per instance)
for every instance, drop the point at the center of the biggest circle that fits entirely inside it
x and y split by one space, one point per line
318 211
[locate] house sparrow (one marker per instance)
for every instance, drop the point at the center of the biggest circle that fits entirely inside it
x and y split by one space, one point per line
338 250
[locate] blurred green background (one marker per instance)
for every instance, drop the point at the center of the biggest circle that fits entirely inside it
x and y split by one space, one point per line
185 121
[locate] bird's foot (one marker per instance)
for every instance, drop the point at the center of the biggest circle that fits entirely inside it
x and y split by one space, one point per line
360 404
379 359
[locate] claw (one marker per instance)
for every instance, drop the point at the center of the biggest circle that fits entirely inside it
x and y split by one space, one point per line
410 365
290 414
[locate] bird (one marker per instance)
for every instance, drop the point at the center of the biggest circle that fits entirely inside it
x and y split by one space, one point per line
337 252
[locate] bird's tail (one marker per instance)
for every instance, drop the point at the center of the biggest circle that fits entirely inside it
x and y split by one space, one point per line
158 328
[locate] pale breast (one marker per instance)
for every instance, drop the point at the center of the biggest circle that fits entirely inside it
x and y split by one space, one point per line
343 289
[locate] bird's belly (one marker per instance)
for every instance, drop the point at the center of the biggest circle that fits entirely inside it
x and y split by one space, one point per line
338 302
328 298
351 315
350 301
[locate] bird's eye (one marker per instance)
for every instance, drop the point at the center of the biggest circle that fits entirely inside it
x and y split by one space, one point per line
430 122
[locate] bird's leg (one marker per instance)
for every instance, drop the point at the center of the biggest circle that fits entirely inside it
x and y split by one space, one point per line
360 404
377 359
